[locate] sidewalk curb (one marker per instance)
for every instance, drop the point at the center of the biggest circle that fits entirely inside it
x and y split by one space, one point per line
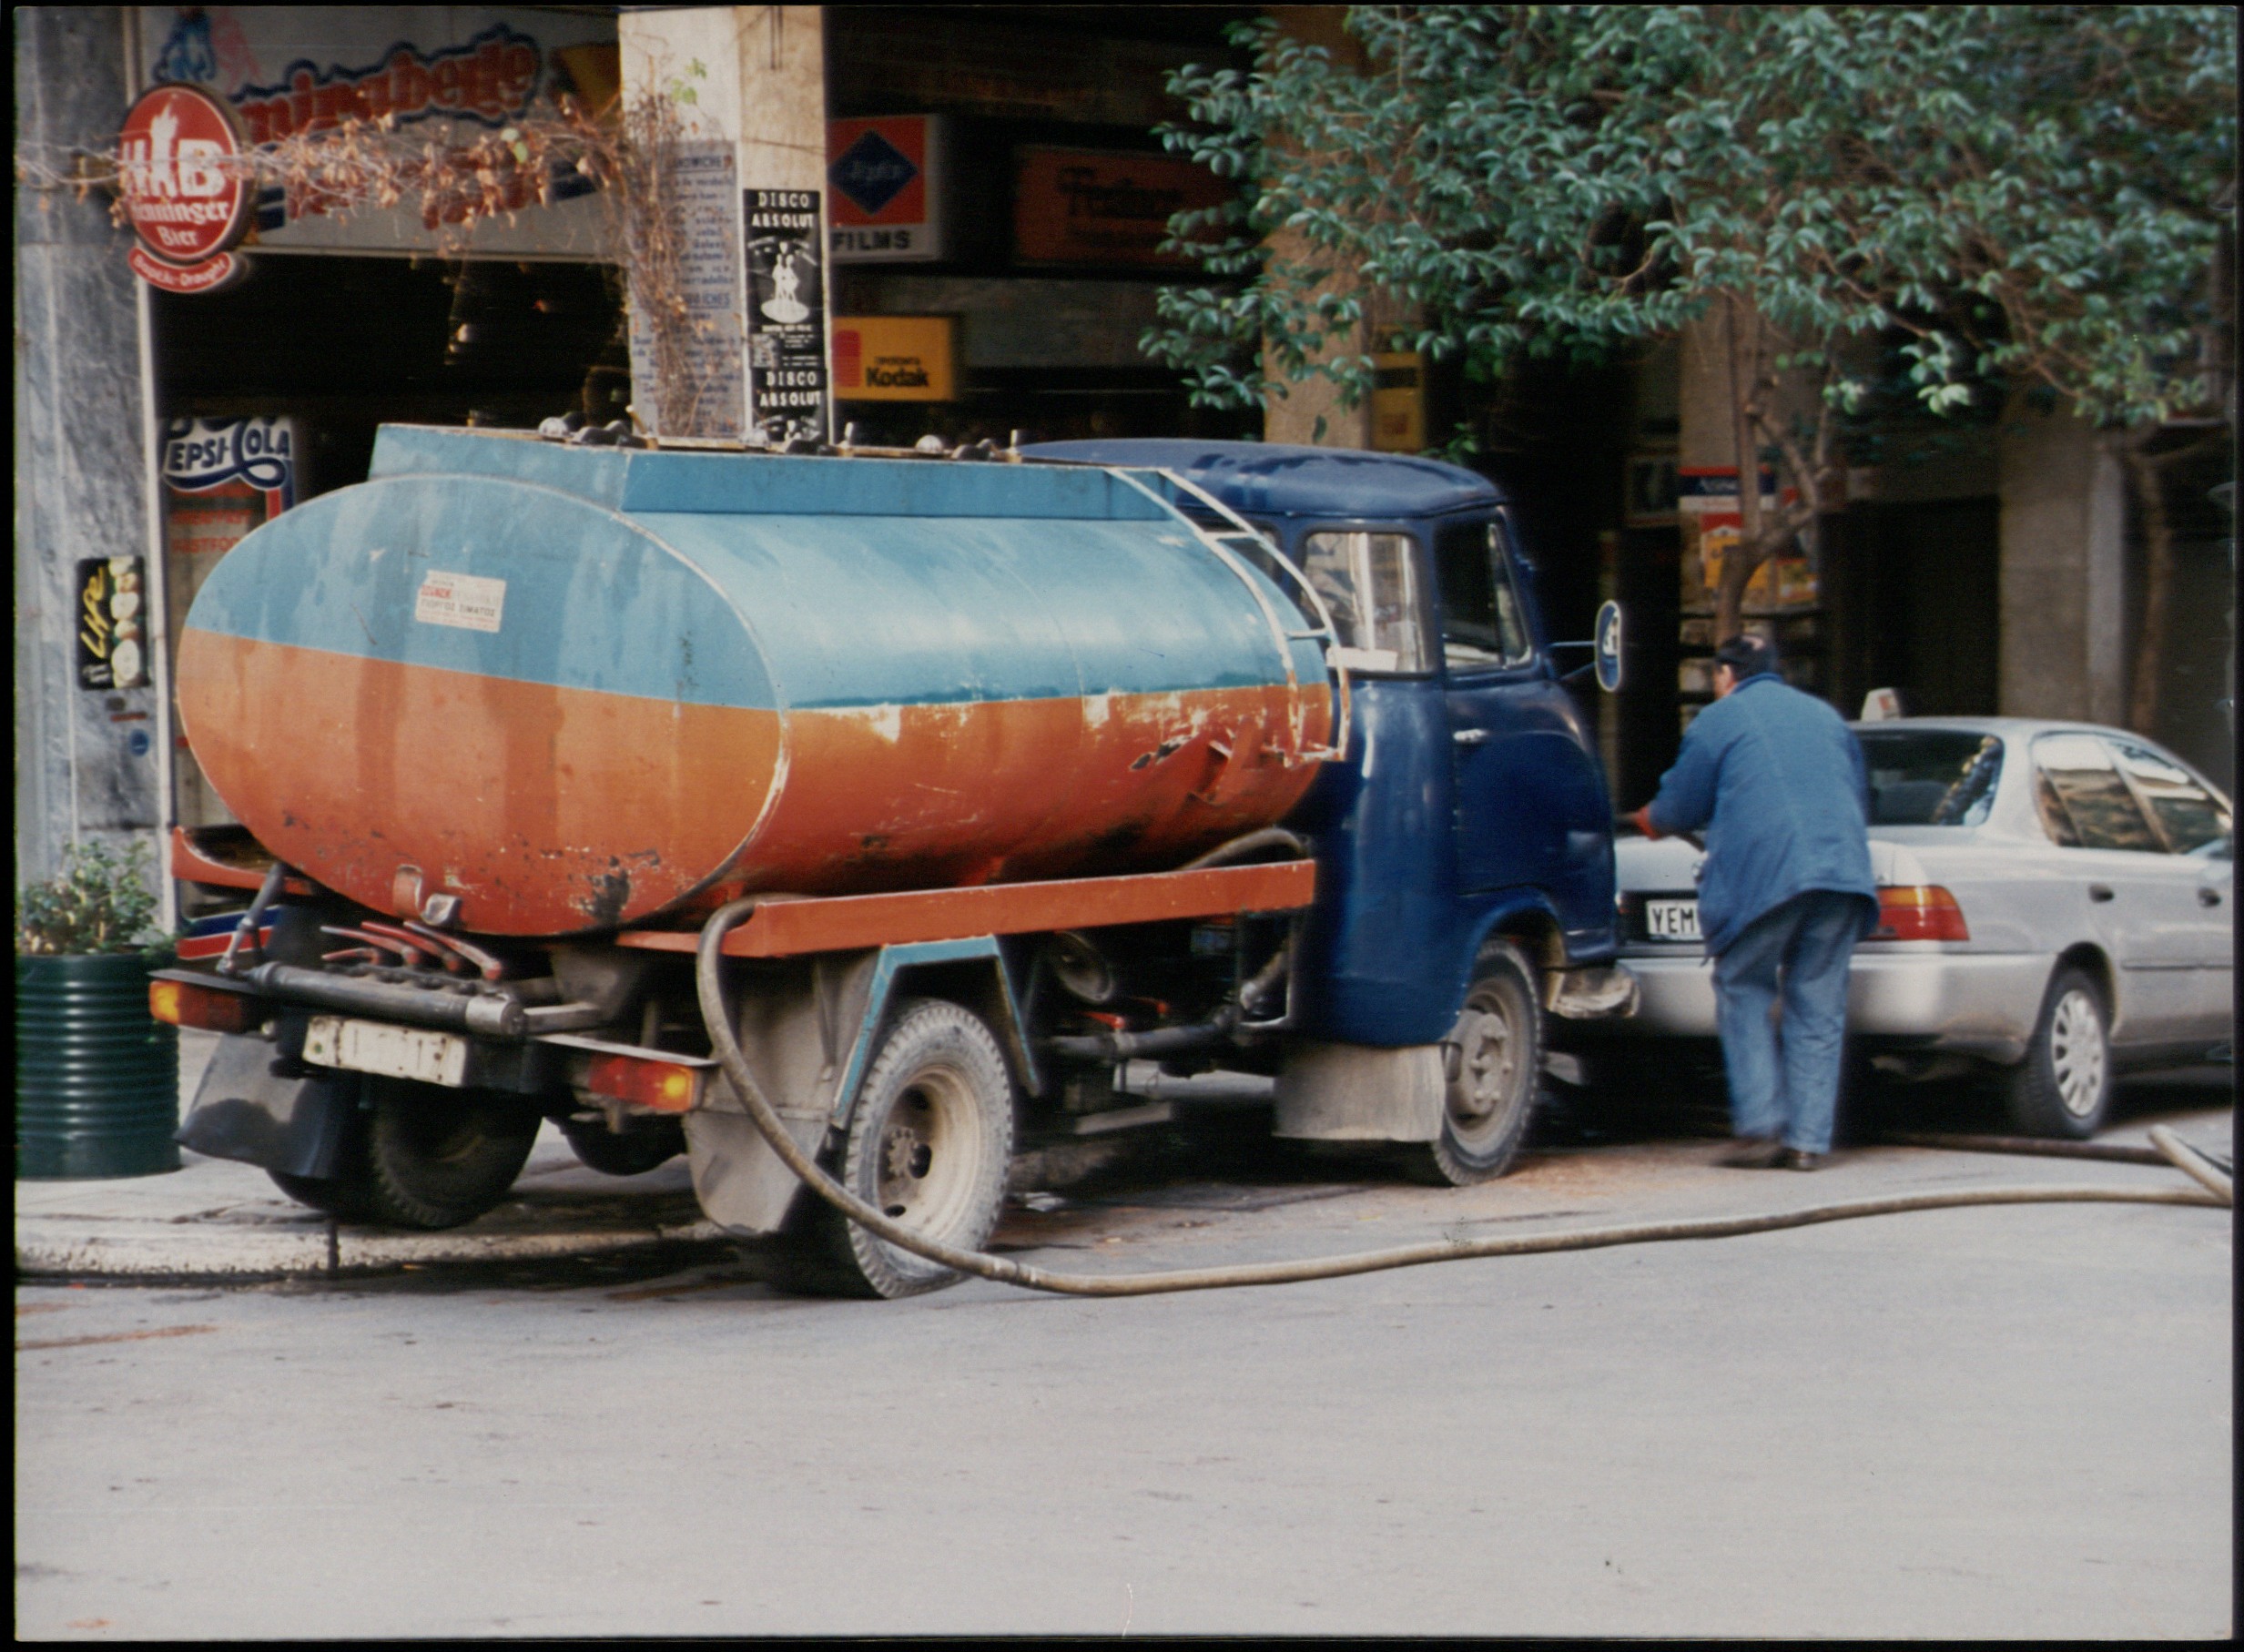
312 1248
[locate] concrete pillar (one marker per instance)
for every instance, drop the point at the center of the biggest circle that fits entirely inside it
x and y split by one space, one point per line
1310 413
87 762
749 83
2064 565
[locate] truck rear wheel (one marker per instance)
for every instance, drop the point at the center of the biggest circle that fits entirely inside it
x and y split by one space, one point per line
436 1158
1493 1060
929 1145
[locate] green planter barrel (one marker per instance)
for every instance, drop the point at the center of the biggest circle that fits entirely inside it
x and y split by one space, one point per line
97 1076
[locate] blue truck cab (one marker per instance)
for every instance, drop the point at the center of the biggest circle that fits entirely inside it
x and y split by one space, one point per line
1465 844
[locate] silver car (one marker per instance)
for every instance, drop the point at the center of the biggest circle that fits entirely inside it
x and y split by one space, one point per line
2055 904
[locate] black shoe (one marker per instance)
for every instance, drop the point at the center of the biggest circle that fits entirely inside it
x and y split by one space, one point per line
1798 1158
1754 1153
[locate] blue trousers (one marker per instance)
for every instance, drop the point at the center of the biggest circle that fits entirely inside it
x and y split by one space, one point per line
1784 1078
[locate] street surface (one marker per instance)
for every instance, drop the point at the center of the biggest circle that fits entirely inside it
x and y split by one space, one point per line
2002 1421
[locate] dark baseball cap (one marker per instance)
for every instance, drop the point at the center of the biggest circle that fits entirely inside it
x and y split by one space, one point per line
1747 655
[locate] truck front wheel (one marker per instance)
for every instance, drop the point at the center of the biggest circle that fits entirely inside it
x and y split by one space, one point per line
929 1142
1492 1060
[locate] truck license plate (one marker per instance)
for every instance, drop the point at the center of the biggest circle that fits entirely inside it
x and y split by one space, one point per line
394 1053
1672 920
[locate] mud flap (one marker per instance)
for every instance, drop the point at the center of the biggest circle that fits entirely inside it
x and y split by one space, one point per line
1354 1092
247 1111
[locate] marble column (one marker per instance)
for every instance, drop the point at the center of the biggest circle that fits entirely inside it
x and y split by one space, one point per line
87 761
2064 562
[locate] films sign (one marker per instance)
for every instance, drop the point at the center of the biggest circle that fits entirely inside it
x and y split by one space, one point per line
185 185
885 179
1096 207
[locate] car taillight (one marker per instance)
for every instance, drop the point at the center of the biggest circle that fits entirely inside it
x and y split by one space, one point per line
668 1086
1919 912
203 1006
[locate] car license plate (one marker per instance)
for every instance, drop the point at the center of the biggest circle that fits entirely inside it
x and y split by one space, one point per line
1672 920
393 1052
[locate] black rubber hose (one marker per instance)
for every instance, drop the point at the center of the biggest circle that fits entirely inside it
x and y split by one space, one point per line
717 1014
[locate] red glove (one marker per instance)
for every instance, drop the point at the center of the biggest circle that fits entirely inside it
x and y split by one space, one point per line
1643 819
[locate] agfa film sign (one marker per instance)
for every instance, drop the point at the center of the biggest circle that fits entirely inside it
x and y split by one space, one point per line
184 178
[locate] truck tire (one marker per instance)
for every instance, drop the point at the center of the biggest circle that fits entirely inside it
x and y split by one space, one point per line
928 1144
436 1158
2064 1086
649 1143
1493 1058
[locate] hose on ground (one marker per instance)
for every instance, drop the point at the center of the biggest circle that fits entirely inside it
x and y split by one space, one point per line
716 1015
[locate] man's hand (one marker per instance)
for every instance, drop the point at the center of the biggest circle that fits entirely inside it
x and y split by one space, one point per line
1643 822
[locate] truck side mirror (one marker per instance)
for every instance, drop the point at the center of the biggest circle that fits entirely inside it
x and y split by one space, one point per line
1604 650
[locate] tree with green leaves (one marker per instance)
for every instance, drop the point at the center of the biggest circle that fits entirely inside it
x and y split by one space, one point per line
2018 196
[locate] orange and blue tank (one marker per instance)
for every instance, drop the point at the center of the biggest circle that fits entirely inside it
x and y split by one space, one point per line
581 688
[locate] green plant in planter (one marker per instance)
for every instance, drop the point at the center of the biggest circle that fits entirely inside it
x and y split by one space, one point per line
98 903
97 1076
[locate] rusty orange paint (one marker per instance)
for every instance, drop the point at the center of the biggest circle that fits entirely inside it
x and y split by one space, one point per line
552 810
787 927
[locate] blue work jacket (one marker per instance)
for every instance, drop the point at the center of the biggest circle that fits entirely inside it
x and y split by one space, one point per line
1776 781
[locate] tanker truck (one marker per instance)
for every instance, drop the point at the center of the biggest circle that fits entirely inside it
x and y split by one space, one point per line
1008 774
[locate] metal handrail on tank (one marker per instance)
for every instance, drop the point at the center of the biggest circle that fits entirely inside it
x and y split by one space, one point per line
1338 750
1327 627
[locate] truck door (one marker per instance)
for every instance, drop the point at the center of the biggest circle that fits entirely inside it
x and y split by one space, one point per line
1530 800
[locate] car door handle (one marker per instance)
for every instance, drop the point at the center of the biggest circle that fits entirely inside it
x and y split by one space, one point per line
1470 736
2208 897
2099 891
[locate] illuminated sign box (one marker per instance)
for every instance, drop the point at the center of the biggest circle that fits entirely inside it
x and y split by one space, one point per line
895 358
1099 206
885 201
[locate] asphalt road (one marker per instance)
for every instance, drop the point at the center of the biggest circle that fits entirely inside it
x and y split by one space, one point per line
2004 1422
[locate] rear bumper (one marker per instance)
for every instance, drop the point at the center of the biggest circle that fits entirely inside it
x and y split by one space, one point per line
1976 1004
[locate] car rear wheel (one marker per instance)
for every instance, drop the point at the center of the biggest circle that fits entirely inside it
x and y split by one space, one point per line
2062 1087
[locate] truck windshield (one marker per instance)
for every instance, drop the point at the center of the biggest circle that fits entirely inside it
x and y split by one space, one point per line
1370 582
1929 776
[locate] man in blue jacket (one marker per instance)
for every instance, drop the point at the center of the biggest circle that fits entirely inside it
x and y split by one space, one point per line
1776 781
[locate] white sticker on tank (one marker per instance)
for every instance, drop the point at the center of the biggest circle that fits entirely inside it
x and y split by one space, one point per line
462 599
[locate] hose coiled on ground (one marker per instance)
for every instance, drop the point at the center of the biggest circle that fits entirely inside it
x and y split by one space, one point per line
718 1016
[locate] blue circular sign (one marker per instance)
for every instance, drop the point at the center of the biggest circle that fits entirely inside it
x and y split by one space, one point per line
1608 637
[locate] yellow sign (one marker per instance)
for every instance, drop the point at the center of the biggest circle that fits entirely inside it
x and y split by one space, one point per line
894 357
1398 402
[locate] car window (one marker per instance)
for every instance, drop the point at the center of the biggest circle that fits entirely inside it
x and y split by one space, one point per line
2084 802
1481 621
2189 814
1370 582
1930 776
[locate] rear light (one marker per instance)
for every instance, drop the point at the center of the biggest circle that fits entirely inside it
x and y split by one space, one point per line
212 1011
667 1087
1925 912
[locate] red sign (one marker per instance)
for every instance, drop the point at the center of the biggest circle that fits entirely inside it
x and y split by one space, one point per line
187 193
1097 207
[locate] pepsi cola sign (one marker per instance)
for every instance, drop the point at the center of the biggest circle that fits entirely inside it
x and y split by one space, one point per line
183 179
